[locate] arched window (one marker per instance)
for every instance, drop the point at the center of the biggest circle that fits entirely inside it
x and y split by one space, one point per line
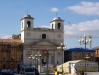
22 24
59 26
28 24
52 26
43 36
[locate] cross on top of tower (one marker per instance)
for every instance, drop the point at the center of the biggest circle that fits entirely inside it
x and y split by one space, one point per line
27 11
56 14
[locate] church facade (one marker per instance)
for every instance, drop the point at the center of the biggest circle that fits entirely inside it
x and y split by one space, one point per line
40 44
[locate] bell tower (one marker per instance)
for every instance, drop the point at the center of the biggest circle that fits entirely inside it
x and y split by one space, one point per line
27 22
57 23
26 25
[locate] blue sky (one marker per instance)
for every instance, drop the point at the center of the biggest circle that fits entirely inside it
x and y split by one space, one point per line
81 17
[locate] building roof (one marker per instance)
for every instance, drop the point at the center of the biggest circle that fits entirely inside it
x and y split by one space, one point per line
75 61
96 47
27 16
79 50
10 41
57 18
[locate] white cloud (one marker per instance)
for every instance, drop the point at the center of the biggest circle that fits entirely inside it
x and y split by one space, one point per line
5 37
87 8
54 9
88 27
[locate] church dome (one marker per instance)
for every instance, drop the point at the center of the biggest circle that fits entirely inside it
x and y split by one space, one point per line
27 16
57 18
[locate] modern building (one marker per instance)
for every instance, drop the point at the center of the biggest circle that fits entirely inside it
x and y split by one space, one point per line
10 53
75 66
78 54
43 41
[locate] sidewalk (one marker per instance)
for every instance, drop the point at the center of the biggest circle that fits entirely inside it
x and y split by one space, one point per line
70 74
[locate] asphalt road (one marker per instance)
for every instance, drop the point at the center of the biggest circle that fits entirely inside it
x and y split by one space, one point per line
88 73
92 73
48 74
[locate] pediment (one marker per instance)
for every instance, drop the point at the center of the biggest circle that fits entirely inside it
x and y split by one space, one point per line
44 42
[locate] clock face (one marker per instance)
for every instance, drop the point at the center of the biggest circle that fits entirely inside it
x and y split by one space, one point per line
59 35
28 34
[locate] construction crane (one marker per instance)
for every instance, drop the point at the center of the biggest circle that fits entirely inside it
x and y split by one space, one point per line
89 36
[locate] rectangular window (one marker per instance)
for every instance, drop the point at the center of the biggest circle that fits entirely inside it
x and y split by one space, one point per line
92 54
12 65
12 48
3 46
57 62
74 54
19 58
3 58
86 53
12 58
80 54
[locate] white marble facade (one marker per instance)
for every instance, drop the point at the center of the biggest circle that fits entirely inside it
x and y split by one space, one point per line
38 39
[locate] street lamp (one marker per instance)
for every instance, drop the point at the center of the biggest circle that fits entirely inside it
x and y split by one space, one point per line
31 57
47 60
62 48
38 55
84 41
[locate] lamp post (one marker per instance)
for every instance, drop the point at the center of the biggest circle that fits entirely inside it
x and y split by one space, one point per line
47 60
38 55
62 48
84 41
31 57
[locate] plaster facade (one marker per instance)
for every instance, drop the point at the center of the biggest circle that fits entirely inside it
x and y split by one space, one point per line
38 39
73 67
10 53
79 54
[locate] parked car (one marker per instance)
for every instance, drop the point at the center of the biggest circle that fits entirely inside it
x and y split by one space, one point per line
28 70
36 71
14 72
4 70
6 73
